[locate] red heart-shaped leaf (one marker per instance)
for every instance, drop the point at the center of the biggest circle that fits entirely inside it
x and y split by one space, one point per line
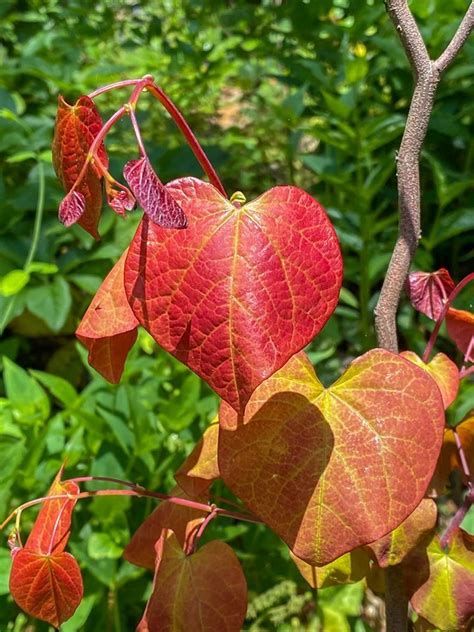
48 587
51 530
76 127
428 291
109 327
203 592
329 469
152 195
242 289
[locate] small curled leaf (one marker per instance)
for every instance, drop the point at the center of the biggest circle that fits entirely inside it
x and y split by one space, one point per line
120 199
72 208
428 291
154 198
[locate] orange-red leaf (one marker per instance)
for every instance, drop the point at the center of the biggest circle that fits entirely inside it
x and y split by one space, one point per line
76 127
428 291
181 519
394 547
242 289
153 196
449 456
48 587
201 467
347 569
109 327
444 372
333 468
442 583
202 592
460 326
51 530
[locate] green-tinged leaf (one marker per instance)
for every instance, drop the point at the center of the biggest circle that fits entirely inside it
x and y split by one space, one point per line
40 267
5 566
63 390
13 282
12 451
451 225
29 401
441 582
101 545
51 302
347 569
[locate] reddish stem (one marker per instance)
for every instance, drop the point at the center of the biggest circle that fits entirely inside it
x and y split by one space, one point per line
434 334
456 520
114 86
135 490
465 371
56 527
202 528
188 133
96 142
462 457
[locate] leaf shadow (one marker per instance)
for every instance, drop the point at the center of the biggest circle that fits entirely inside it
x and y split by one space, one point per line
273 460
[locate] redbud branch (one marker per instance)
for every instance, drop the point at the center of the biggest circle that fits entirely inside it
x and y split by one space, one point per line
434 334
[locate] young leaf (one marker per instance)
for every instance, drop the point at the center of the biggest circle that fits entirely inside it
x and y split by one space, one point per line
76 127
120 199
347 569
109 327
154 198
330 469
242 289
182 520
394 547
442 582
51 530
444 372
72 208
203 592
48 587
460 326
428 291
201 467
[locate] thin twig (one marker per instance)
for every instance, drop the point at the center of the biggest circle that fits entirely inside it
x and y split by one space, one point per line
454 46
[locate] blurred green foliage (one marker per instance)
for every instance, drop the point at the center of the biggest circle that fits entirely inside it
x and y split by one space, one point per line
310 93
